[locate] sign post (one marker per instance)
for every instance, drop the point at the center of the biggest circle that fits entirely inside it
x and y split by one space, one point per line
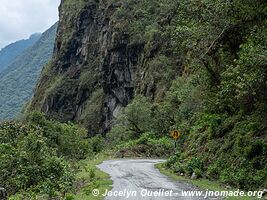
175 134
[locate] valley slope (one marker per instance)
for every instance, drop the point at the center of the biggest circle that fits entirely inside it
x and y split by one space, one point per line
18 80
10 52
135 70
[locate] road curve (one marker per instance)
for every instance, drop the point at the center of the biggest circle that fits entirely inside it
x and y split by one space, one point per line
140 180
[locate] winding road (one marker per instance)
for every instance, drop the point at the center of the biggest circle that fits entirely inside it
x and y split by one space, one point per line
140 180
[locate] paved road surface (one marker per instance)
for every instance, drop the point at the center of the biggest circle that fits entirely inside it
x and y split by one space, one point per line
137 179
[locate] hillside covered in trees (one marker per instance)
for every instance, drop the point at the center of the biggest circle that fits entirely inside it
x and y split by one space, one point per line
10 52
131 71
18 80
200 64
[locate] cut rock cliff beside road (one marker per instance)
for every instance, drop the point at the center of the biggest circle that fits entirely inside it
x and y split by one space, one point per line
97 68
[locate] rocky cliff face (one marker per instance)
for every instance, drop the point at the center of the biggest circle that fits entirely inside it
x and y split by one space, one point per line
97 68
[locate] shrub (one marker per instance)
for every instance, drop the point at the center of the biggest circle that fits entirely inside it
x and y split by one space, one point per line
69 139
59 176
194 165
118 135
97 143
34 155
137 116
173 159
148 145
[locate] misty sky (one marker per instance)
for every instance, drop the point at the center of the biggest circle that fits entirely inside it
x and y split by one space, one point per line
21 18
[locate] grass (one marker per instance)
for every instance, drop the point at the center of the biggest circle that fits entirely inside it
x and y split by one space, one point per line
201 183
90 178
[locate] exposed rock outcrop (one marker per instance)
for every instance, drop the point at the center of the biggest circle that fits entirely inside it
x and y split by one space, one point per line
96 69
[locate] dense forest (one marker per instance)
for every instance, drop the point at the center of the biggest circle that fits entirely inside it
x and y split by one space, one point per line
10 52
18 80
129 72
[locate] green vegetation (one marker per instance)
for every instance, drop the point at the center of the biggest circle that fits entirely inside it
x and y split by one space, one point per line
91 116
73 9
147 146
219 101
230 162
201 183
92 178
10 52
133 133
35 154
40 159
19 79
203 72
222 100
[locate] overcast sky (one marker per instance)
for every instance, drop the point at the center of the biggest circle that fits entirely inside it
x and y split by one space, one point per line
21 18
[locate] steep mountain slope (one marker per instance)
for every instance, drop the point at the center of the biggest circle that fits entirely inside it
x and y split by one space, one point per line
196 66
18 80
98 66
10 52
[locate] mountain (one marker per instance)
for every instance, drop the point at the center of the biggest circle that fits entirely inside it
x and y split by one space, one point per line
10 52
19 78
139 69
99 65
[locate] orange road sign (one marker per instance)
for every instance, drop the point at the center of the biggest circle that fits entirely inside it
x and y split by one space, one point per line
175 134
